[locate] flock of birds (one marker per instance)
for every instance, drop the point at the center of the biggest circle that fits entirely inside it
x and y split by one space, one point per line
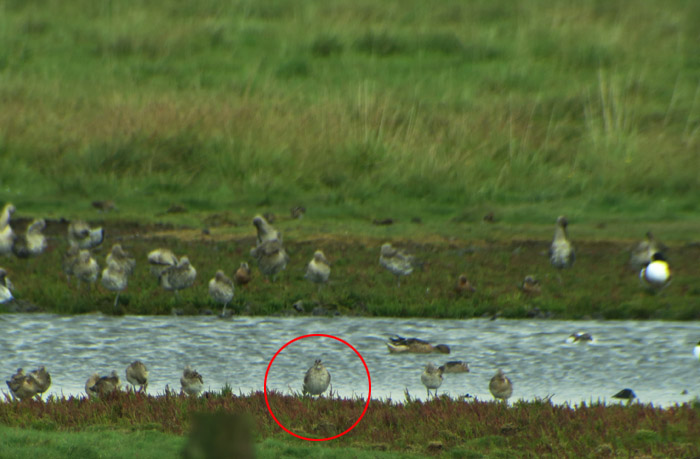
177 274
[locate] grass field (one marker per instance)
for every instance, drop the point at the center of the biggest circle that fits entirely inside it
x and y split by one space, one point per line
353 108
443 426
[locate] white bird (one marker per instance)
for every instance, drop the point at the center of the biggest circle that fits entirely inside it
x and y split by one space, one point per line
178 277
221 290
317 379
80 234
160 260
396 261
191 381
432 378
656 275
561 252
318 270
33 242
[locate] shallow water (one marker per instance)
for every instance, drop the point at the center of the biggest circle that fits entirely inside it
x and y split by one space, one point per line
655 359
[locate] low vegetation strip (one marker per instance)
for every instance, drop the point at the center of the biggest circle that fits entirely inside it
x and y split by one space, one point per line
441 425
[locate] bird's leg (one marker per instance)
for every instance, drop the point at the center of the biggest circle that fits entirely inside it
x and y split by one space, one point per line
116 300
223 313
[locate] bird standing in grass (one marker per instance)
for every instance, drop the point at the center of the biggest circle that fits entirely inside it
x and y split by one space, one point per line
86 268
119 259
463 285
80 234
32 242
657 274
266 232
432 378
5 287
221 290
191 381
243 274
500 386
70 258
271 257
178 277
115 276
561 252
7 236
160 260
396 261
318 270
644 251
137 375
317 379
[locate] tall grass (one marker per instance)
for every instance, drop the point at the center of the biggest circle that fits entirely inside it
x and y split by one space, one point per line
350 103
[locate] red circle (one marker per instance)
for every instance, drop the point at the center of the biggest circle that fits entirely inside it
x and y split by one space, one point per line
368 395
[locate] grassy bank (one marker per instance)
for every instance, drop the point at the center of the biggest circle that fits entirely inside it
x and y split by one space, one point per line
456 428
352 107
494 257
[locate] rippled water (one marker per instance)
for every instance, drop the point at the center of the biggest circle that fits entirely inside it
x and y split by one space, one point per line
653 358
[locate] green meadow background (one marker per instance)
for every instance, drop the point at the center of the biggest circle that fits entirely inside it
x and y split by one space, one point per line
353 108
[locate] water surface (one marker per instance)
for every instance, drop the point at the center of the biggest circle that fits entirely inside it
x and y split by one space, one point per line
655 359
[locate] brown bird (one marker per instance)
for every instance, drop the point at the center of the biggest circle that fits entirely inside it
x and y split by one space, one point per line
531 286
23 386
243 274
43 379
400 345
464 286
455 366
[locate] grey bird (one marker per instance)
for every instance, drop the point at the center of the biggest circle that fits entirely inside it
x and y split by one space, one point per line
80 234
43 379
271 257
500 386
160 260
178 277
137 375
432 378
23 386
106 384
221 290
396 261
561 252
120 260
317 379
265 231
86 268
32 242
191 381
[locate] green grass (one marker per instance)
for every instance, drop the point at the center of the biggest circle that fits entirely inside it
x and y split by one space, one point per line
126 424
533 109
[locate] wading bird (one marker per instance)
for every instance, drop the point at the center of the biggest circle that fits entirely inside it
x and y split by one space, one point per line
317 379
137 375
561 252
86 268
318 270
500 386
32 242
191 381
178 277
271 257
431 378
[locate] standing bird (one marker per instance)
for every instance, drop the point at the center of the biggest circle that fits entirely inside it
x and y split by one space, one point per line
396 261
86 268
271 257
178 277
90 383
120 260
500 386
243 274
626 394
5 287
43 379
137 375
463 285
656 275
33 242
266 232
318 270
106 385
23 386
70 258
317 379
114 280
7 236
221 290
160 260
80 234
191 381
432 378
561 252
645 250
